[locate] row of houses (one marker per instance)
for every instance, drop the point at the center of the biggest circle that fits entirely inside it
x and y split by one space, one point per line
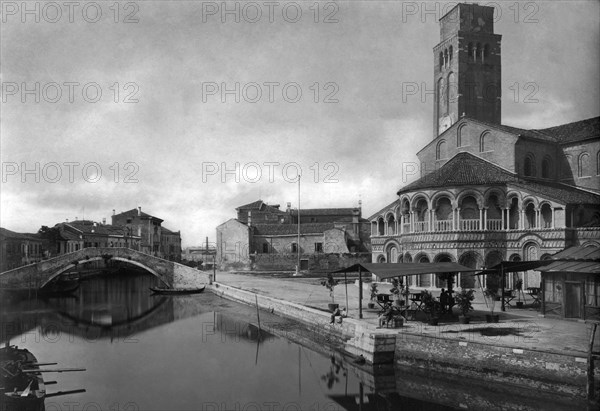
133 229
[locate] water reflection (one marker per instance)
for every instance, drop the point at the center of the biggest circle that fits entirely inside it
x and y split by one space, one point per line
201 352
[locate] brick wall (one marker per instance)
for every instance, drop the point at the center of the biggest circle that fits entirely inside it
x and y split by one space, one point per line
470 135
320 262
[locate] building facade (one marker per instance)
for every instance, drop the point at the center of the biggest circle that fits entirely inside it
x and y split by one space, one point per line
265 237
154 238
72 236
489 192
18 249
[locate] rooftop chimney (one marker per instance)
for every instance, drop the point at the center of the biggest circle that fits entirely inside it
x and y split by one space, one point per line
104 221
139 211
289 207
113 211
249 219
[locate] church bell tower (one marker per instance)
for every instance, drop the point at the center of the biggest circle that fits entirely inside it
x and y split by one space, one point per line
467 69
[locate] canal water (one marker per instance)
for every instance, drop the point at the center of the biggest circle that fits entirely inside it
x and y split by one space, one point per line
201 352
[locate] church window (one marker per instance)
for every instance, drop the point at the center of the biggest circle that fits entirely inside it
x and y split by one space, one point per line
470 49
318 247
440 151
484 142
478 52
446 58
546 167
450 52
265 247
583 165
441 60
529 165
486 52
459 139
294 248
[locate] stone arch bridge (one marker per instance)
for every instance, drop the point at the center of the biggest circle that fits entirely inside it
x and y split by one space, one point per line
39 274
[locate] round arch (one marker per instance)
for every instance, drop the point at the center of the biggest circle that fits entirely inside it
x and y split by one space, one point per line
494 191
439 195
99 258
469 193
417 198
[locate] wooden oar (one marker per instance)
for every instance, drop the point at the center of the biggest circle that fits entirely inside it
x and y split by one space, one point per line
33 364
56 370
56 394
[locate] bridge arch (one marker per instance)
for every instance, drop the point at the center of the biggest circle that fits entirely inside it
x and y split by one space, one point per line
37 275
87 260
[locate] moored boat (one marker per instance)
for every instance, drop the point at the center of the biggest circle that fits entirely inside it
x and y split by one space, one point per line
21 390
157 290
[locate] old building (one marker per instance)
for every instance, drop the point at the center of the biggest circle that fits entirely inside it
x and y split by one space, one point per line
265 237
155 239
17 249
71 236
489 192
170 244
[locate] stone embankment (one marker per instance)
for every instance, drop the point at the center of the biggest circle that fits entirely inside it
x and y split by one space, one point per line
552 372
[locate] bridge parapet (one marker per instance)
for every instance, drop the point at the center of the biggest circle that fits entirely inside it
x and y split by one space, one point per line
37 275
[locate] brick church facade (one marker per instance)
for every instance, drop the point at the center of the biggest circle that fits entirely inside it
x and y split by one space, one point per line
489 192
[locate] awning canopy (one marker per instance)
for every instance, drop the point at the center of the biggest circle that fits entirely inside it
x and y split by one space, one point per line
577 259
514 266
388 270
578 253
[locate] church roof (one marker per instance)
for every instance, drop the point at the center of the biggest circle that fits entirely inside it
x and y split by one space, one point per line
576 131
560 193
563 134
462 169
465 169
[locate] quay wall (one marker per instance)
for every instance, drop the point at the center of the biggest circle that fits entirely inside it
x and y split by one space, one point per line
355 337
552 373
545 371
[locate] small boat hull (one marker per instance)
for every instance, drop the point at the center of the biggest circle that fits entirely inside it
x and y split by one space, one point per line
17 382
176 291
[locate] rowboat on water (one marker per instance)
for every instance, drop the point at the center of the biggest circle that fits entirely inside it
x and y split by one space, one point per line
21 390
157 290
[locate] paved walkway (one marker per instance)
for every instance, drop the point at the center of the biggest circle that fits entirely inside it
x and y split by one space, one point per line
518 328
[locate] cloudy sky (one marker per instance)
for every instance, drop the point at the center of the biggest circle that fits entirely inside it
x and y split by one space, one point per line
176 107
